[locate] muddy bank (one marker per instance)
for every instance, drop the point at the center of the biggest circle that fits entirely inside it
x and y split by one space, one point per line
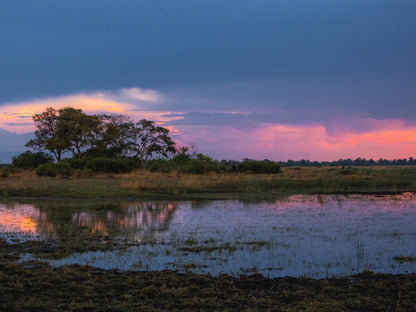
83 288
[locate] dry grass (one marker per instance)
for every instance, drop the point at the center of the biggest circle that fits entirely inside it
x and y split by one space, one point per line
307 180
179 183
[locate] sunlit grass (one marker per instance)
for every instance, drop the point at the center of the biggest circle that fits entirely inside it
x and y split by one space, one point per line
307 180
291 180
191 183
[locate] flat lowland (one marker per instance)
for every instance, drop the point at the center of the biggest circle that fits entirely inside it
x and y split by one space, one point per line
144 184
35 286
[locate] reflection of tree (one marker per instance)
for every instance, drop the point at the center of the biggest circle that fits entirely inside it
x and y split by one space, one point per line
68 224
132 217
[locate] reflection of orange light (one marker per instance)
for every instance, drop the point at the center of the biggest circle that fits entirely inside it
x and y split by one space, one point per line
100 227
170 206
17 223
27 225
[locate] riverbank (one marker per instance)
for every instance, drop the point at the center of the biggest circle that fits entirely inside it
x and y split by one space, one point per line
83 288
143 184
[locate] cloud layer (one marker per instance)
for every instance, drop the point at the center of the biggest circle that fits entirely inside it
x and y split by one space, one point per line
265 79
223 134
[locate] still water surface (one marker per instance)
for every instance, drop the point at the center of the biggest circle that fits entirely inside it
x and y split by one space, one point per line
314 236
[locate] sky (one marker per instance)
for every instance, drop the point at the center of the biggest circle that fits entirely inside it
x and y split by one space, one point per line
265 79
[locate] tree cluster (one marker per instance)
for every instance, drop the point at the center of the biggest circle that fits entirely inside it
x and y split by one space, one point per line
190 161
112 136
349 162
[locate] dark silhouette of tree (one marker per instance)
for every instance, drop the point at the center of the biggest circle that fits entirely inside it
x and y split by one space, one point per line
147 139
46 134
77 129
70 129
113 136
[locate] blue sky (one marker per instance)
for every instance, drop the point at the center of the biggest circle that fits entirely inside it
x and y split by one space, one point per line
227 74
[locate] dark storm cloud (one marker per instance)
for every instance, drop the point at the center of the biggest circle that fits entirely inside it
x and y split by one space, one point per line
55 47
301 100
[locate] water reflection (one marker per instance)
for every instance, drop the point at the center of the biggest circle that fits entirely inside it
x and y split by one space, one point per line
316 236
22 218
135 220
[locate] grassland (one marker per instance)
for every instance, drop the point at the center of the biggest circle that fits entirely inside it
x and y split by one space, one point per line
143 184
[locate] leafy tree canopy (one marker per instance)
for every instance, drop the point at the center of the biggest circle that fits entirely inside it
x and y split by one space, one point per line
71 130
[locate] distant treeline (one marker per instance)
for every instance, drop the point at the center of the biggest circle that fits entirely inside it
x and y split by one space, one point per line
349 162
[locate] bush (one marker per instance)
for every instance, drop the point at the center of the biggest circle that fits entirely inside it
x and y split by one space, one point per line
75 163
63 169
46 170
200 165
112 165
29 160
203 164
255 166
161 165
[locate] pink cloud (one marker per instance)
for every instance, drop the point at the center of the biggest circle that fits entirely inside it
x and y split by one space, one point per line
367 137
282 142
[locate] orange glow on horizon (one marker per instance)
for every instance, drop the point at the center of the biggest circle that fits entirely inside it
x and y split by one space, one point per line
397 143
385 138
313 142
17 117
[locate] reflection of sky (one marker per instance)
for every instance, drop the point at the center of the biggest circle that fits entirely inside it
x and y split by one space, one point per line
132 218
19 219
316 236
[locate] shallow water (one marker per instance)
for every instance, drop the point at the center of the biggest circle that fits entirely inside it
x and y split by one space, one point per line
302 235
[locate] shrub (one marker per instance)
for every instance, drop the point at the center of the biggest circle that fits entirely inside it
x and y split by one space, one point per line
161 165
199 165
76 163
28 160
255 166
112 165
63 169
46 170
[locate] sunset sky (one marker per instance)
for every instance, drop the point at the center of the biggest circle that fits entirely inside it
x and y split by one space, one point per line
275 79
